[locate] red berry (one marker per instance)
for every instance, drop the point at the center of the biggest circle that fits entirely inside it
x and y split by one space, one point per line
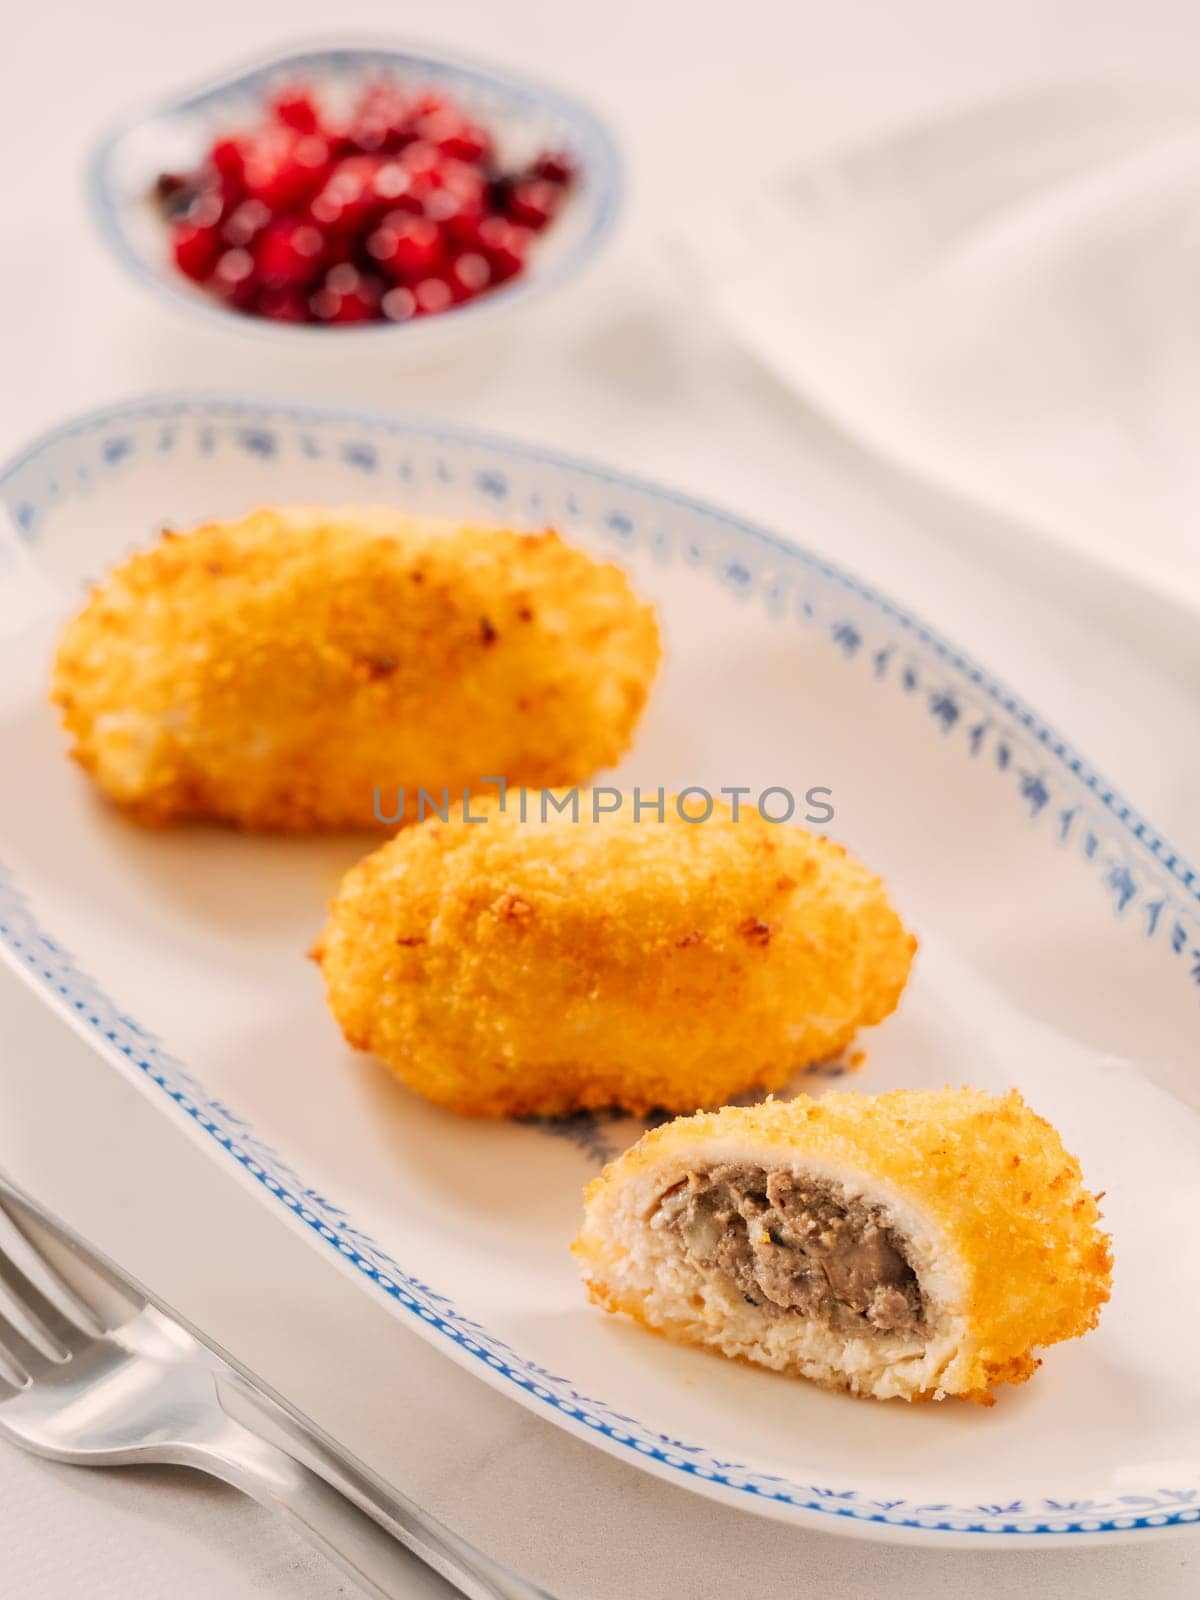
390 185
346 295
346 200
233 277
534 201
408 248
426 194
421 157
459 221
439 204
206 209
296 108
245 222
283 167
469 275
370 135
289 253
464 182
437 185
399 305
282 305
306 167
195 248
469 142
554 166
381 121
432 295
460 205
340 247
228 156
454 135
428 103
381 245
505 245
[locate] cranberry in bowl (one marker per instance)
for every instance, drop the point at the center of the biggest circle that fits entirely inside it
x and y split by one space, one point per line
365 191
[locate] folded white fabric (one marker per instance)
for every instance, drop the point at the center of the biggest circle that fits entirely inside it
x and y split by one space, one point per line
1007 302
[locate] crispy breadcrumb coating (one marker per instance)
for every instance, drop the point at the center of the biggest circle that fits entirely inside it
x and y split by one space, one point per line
512 968
275 672
997 1225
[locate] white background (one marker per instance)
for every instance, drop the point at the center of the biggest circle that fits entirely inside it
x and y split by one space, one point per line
625 368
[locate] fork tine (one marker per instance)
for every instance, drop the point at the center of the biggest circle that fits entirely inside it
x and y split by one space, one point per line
66 1325
20 1353
84 1307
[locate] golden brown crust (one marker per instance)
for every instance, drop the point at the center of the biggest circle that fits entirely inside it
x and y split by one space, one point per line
993 1176
509 968
273 672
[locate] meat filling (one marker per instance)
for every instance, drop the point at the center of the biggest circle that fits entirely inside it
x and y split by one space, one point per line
795 1244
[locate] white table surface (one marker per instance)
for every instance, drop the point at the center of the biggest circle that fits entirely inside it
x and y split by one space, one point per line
623 369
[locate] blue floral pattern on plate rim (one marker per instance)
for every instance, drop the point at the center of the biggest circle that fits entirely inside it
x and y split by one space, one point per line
1140 878
578 127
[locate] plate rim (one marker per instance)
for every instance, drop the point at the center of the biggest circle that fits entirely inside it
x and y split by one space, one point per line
52 973
604 166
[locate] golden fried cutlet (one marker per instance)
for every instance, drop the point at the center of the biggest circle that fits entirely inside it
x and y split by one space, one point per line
297 669
909 1245
517 968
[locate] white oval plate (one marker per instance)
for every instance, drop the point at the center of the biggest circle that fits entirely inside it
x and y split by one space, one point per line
1060 952
173 133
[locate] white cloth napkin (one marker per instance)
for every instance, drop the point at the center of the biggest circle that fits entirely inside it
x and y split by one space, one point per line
153 1533
1006 302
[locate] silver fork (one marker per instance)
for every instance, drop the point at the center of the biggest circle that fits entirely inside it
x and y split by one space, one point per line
110 1377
